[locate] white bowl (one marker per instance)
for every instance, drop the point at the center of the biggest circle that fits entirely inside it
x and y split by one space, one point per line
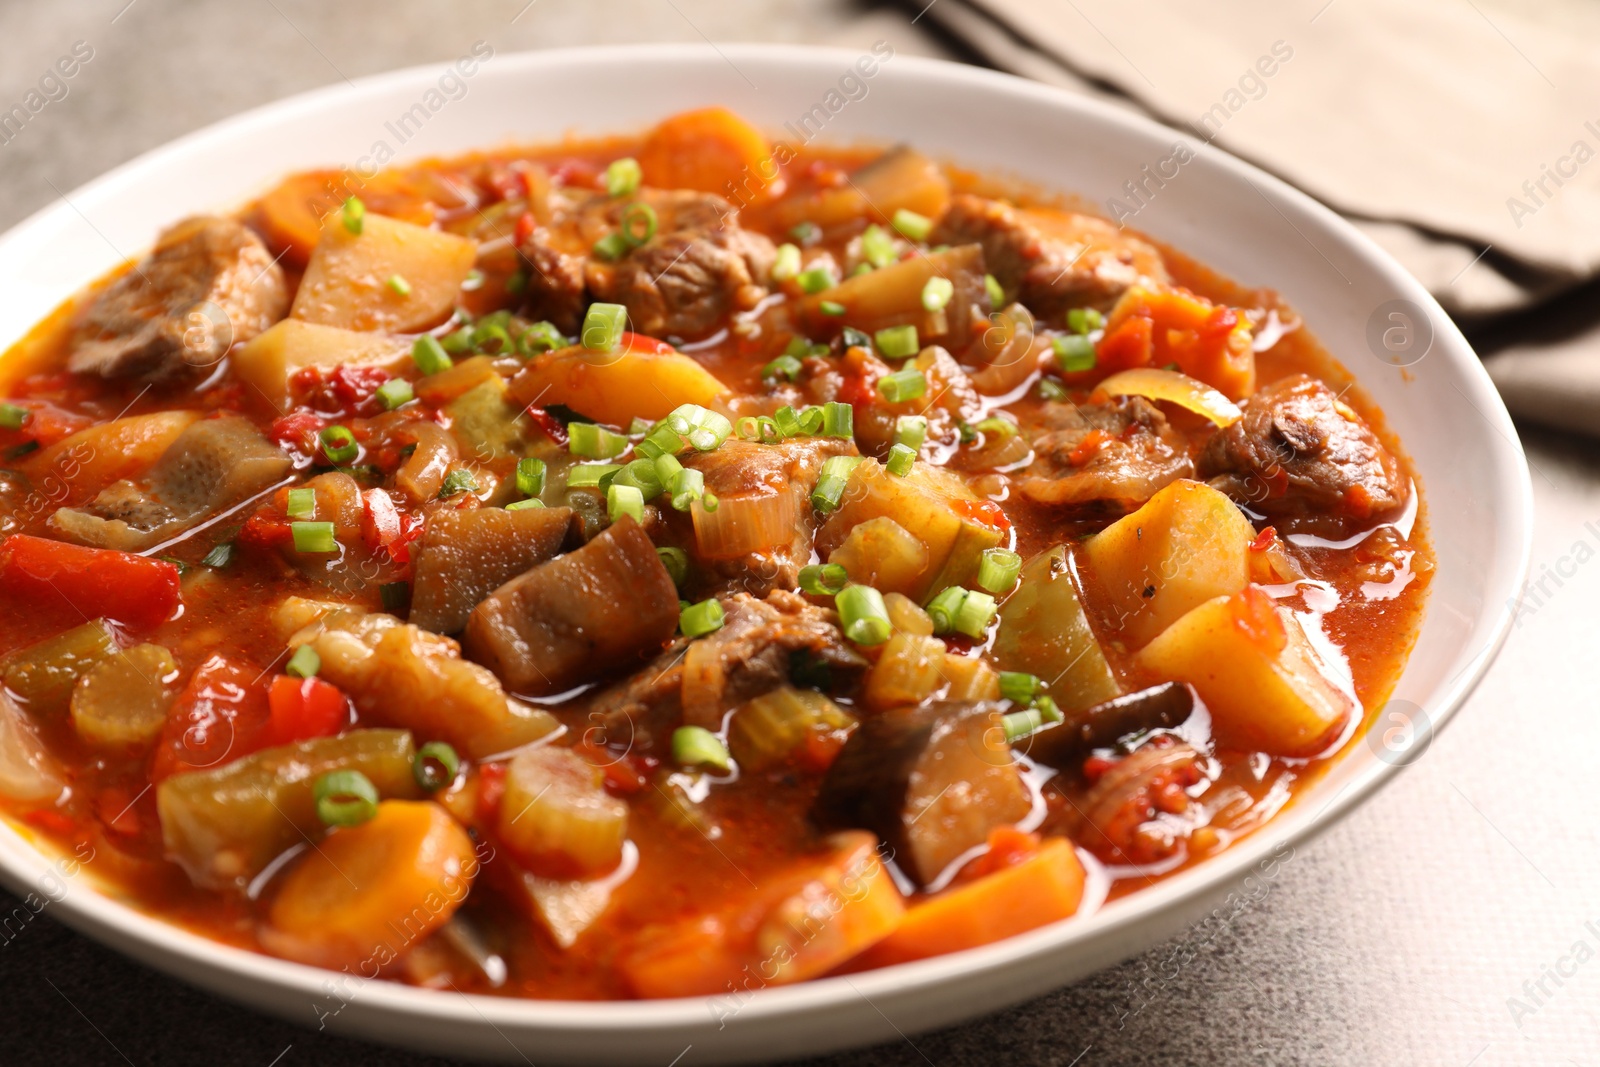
1229 215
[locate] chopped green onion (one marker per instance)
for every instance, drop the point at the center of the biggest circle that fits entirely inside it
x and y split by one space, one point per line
862 615
345 798
1074 352
860 269
395 596
912 226
474 280
12 416
1018 686
688 485
542 336
624 500
302 503
435 766
641 475
456 342
517 284
807 233
838 419
811 420
976 612
603 325
903 385
1084 320
313 537
667 468
937 292
787 263
1048 709
998 569
991 286
700 619
967 432
944 608
339 445
220 556
854 338
661 441
612 247
1019 724
530 476
911 431
897 342
591 475
355 215
638 224
394 393
816 280
798 347
429 355
638 426
623 176
788 421
703 428
900 460
995 426
831 481
695 746
831 307
457 481
592 441
522 505
785 366
398 285
709 501
676 560
1050 389
877 247
305 663
824 579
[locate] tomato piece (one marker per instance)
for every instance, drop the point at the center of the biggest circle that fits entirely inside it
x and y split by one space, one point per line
491 790
548 424
383 526
134 590
221 715
303 708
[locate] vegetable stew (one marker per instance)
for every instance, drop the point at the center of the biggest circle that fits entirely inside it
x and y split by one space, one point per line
675 565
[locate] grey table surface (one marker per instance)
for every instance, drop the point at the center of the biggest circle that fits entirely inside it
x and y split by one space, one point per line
1445 923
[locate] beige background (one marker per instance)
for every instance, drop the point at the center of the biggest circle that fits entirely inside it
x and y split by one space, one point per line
1397 938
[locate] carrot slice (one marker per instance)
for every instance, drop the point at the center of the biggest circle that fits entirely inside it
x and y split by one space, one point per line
712 150
1041 889
367 893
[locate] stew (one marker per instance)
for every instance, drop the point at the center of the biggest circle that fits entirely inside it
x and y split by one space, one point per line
676 565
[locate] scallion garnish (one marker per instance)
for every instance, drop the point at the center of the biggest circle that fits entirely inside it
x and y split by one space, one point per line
998 569
811 420
944 608
1019 724
591 441
12 416
807 233
355 215
903 385
339 445
394 393
305 663
676 560
623 176
530 476
862 615
695 746
603 325
687 486
456 342
1018 686
638 223
435 766
787 263
995 426
816 279
977 610
523 505
785 367
900 460
911 431
624 500
912 226
1074 352
937 292
897 342
315 537
1084 320
641 474
835 475
612 247
838 419
854 338
591 475
542 336
700 619
345 798
398 285
457 481
704 429
832 308
877 247
220 556
302 503
991 286
823 579
1050 389
429 355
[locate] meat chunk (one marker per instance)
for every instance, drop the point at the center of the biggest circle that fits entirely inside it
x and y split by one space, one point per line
593 611
1105 458
755 652
699 268
1050 260
1306 460
761 533
209 284
402 675
211 466
466 555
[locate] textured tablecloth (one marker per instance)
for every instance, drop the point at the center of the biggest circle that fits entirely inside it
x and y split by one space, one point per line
1430 928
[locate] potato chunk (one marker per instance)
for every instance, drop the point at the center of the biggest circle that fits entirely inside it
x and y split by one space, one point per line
1252 664
270 360
392 276
641 378
1187 544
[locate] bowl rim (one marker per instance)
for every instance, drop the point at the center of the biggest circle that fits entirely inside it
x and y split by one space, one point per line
91 908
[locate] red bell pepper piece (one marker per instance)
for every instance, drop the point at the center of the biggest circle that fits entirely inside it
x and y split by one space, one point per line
220 716
383 526
303 708
134 590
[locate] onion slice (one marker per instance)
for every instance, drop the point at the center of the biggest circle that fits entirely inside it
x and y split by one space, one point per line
749 522
1180 389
